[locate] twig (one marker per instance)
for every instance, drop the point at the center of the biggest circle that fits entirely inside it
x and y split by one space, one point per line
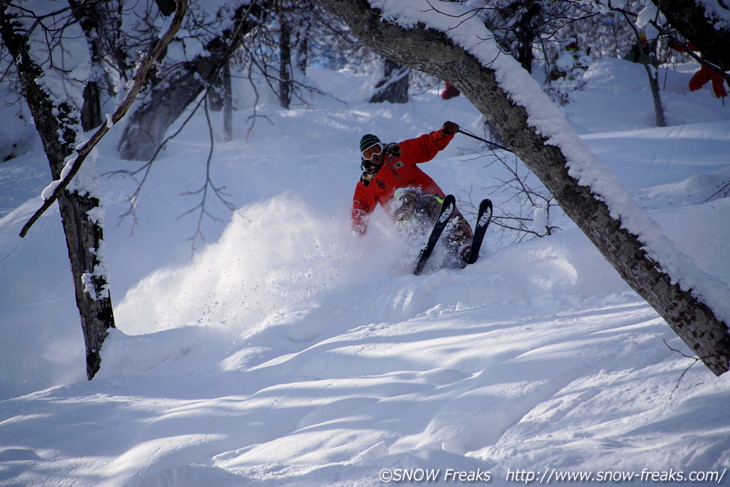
694 361
217 190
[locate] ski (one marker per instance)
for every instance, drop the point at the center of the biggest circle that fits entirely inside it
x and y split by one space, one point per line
448 206
483 219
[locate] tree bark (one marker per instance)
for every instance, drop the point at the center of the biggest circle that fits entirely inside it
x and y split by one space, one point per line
431 51
84 232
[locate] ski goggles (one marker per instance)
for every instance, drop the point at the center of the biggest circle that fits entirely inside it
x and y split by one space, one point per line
372 151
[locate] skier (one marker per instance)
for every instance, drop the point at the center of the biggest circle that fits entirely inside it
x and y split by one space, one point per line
391 178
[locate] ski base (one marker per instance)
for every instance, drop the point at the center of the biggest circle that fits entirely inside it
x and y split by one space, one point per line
447 211
483 218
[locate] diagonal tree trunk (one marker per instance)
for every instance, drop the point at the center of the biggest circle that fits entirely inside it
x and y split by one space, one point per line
433 52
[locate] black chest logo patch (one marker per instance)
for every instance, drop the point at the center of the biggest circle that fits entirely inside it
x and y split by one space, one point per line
381 183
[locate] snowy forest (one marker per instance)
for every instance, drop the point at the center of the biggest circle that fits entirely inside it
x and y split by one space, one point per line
177 178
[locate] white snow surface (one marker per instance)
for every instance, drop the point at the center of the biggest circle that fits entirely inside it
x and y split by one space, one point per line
287 352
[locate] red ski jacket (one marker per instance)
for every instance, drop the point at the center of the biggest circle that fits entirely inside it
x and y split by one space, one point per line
395 173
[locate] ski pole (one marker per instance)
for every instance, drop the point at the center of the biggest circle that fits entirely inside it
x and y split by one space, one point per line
484 140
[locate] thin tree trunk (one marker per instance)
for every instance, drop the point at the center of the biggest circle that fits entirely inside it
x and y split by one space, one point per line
215 93
285 72
653 74
431 51
227 104
647 57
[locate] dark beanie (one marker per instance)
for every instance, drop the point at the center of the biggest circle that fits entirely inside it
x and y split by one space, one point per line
367 141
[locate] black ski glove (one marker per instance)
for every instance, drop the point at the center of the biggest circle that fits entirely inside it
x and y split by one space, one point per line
449 128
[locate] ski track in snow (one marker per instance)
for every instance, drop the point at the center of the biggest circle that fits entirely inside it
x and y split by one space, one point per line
287 353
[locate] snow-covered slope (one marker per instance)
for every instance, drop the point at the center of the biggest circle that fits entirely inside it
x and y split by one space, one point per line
285 352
